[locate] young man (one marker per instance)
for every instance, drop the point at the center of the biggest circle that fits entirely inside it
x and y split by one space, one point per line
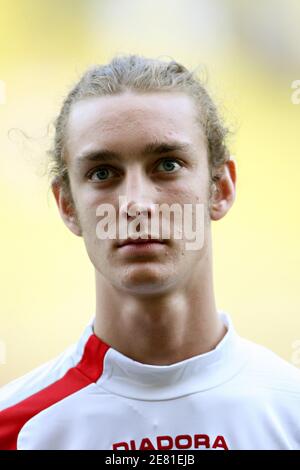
159 367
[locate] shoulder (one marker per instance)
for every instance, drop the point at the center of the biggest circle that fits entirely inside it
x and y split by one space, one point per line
37 379
50 374
29 395
267 369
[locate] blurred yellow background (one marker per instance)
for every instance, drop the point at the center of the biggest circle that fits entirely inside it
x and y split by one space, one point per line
252 54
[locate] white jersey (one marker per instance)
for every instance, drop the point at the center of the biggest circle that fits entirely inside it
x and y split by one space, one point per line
238 396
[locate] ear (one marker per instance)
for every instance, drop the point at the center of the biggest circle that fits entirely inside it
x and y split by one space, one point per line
223 191
66 207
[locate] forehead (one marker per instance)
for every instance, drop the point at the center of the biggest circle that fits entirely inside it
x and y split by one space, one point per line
126 121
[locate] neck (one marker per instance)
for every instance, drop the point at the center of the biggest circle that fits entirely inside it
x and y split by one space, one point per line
160 329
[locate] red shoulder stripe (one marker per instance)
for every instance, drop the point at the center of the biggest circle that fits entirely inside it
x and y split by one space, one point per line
87 371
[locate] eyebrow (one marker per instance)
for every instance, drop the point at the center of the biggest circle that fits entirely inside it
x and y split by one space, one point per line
153 148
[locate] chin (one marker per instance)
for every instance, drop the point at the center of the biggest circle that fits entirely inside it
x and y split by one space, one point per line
145 280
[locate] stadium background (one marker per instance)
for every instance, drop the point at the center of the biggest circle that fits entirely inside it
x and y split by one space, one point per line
252 54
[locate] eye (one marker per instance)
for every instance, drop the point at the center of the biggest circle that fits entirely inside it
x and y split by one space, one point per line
169 164
100 174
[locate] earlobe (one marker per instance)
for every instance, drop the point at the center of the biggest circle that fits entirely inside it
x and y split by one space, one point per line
223 191
66 208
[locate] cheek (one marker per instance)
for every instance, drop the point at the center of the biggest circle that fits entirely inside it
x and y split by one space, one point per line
192 196
87 201
88 198
193 191
193 186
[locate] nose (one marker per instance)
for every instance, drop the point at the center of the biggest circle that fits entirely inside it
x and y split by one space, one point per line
137 195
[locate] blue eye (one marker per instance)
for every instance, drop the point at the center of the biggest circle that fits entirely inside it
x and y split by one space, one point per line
169 163
100 174
104 173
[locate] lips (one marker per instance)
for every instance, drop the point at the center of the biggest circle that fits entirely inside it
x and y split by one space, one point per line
130 241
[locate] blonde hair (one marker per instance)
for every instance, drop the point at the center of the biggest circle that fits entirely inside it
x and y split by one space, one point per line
140 74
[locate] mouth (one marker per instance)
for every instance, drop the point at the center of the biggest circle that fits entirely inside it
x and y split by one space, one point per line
141 245
140 241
